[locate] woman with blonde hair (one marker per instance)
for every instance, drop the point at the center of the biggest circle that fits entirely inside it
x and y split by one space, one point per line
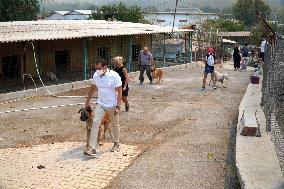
122 71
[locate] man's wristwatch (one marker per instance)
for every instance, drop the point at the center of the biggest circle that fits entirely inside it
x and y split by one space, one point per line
118 107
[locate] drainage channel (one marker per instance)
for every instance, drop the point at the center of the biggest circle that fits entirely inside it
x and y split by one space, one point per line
231 177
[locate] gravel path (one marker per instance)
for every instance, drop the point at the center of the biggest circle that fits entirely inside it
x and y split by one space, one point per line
183 131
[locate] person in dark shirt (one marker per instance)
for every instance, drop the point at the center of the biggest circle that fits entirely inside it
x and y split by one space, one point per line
122 72
209 67
237 57
245 57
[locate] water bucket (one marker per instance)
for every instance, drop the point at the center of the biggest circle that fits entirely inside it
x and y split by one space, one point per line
254 79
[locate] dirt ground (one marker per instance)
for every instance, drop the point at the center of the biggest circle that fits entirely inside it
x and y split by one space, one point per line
187 134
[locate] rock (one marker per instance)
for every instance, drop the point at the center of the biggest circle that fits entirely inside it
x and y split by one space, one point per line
41 167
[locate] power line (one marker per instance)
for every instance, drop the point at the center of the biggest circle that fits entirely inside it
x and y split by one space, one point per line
175 16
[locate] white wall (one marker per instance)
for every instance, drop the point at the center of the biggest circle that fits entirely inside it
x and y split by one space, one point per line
191 19
76 17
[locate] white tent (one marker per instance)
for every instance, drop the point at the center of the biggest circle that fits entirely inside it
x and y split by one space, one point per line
229 41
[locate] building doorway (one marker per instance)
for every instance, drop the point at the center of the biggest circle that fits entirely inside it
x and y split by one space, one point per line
11 67
103 52
62 62
135 54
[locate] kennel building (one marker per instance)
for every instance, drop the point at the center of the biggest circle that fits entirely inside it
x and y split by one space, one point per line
69 48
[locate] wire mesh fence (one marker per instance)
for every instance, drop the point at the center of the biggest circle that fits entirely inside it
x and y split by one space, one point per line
171 49
273 96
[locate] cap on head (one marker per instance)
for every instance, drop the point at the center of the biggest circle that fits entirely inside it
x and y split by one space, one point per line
210 50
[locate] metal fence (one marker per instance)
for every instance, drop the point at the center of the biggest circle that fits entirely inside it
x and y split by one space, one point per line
170 49
273 96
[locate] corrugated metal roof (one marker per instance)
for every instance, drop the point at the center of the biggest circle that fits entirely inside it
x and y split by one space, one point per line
85 12
62 12
70 29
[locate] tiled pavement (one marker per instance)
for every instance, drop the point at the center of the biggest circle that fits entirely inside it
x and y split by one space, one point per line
62 165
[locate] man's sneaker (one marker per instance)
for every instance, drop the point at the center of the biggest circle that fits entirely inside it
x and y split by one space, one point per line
214 87
202 88
90 152
126 107
115 147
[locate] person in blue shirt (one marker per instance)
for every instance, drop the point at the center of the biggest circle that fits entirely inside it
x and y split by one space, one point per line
245 57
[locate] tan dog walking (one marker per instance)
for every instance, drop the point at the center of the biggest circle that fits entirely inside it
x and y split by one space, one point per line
157 73
88 117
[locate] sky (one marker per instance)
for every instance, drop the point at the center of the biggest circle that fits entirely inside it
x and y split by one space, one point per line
157 2
162 4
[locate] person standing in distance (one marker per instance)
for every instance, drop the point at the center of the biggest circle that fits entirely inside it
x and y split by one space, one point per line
237 57
209 68
245 57
262 49
108 85
145 60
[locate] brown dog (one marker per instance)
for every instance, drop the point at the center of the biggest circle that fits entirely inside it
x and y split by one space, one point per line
88 117
157 73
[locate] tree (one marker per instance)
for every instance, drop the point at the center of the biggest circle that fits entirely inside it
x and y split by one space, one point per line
245 11
224 25
207 34
258 32
16 10
280 15
121 12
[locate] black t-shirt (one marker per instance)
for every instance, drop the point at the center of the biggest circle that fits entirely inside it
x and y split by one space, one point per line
121 74
236 54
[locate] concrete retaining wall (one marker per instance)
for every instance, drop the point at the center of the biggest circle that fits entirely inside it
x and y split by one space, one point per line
256 159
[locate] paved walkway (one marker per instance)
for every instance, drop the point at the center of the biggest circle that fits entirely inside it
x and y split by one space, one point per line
62 165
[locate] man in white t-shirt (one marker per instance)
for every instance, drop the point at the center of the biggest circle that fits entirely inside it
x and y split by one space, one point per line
108 85
262 49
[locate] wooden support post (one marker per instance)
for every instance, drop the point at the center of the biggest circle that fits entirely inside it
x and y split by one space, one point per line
129 54
85 58
164 51
190 47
